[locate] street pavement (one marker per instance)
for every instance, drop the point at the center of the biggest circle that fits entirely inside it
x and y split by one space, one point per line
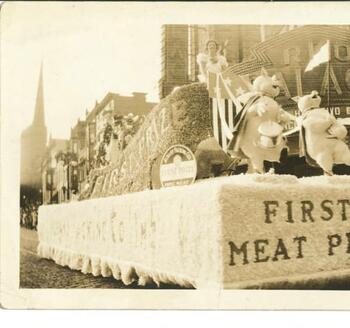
36 272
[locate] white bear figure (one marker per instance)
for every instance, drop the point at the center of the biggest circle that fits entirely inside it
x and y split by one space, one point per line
257 133
321 135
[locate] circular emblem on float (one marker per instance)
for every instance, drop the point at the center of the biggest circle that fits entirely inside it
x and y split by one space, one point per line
178 167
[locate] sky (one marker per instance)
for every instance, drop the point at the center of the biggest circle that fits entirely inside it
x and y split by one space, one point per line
86 50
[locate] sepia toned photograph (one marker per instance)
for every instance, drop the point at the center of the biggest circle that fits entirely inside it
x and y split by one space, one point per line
150 154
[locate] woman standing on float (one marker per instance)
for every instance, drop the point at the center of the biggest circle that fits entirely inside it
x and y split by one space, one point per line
211 61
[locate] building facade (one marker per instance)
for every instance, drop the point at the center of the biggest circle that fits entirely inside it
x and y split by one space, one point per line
174 58
67 163
182 43
78 158
54 172
104 113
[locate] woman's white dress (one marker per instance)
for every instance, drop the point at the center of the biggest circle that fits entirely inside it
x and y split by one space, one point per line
207 65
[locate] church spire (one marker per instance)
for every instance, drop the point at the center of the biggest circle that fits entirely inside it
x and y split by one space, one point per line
39 115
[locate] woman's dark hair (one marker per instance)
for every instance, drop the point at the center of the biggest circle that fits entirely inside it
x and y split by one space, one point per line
211 41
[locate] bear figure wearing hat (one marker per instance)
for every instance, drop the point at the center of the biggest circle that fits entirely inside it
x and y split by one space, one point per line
321 135
258 127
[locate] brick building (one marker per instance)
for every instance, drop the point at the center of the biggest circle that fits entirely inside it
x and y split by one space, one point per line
174 58
112 104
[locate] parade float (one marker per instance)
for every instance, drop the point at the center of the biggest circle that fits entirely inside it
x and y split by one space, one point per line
238 231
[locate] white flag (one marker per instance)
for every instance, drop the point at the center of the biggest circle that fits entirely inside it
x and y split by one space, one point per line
322 56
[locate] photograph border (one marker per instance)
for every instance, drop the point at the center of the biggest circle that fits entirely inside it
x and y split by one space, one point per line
169 13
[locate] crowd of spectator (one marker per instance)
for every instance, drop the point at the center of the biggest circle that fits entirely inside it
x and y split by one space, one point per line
29 214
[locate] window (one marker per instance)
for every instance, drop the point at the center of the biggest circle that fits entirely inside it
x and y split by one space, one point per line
192 52
342 52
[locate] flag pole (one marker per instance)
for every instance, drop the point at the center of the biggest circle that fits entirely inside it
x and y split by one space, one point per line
329 71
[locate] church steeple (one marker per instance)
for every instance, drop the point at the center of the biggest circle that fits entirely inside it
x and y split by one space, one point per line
39 114
33 142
